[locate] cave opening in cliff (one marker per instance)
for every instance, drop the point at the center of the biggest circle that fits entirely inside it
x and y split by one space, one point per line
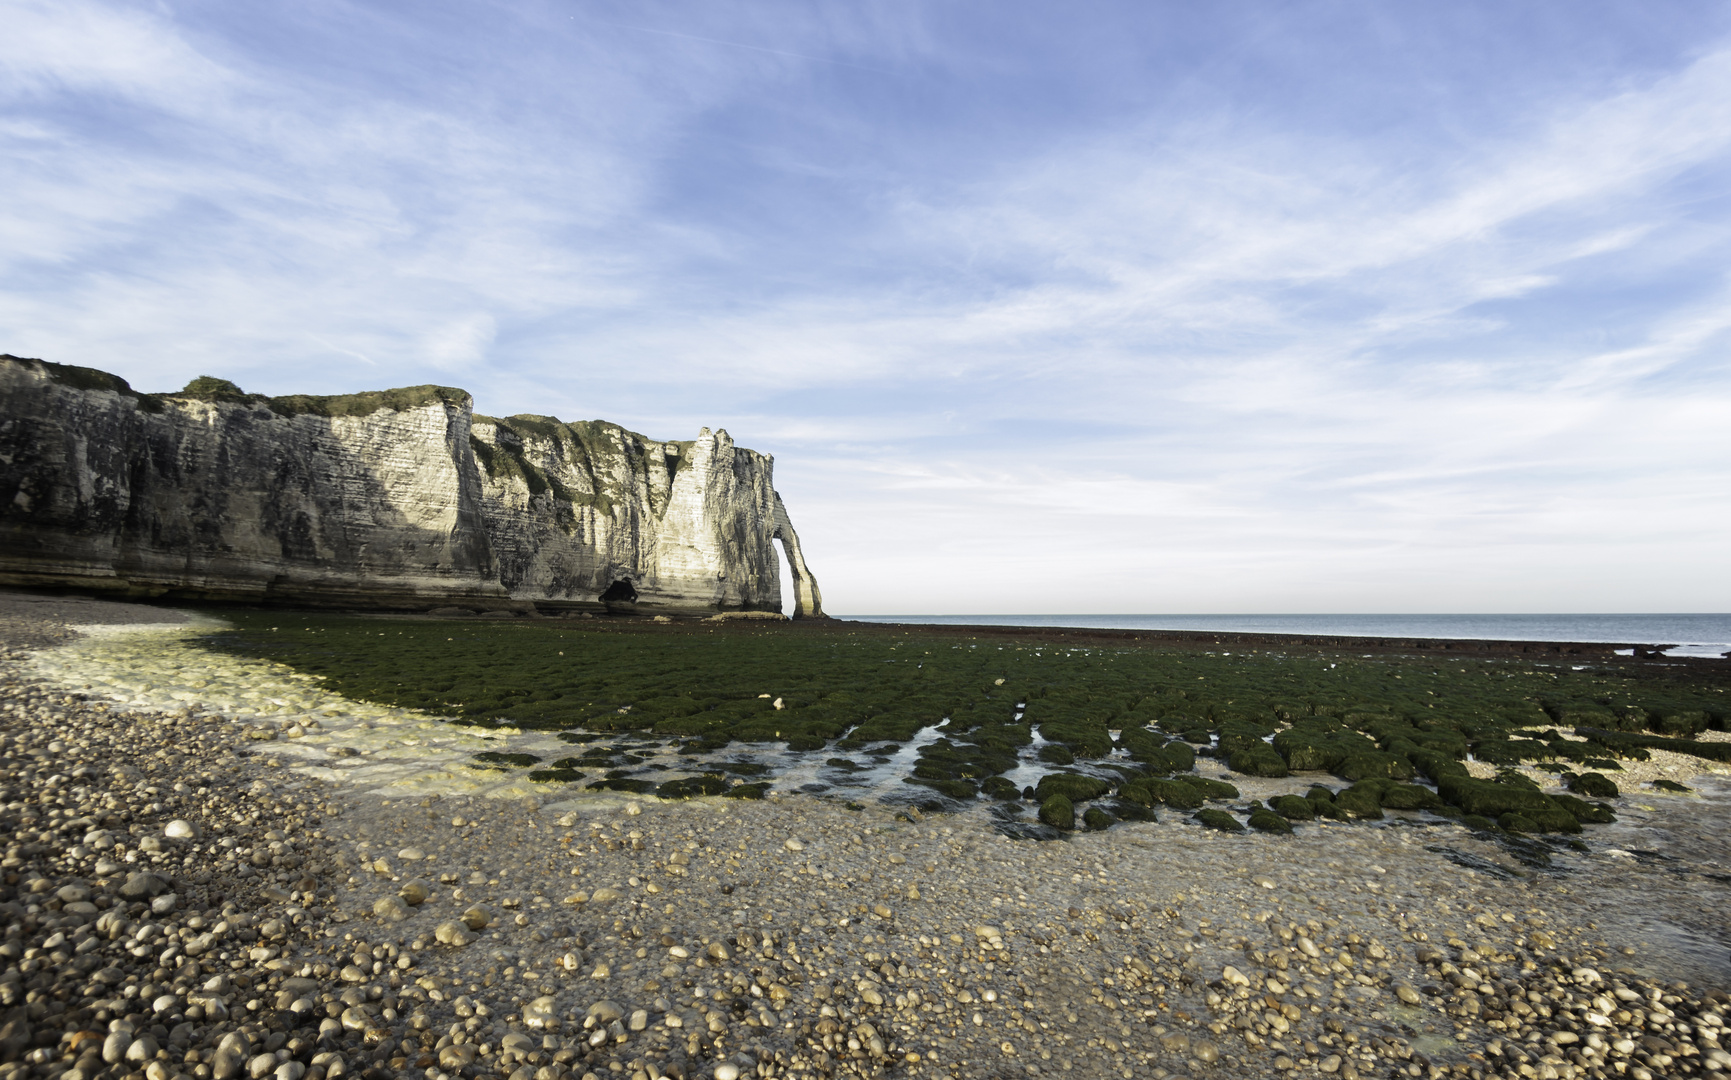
620 592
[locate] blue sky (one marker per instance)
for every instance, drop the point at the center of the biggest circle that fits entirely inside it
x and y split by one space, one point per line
1103 307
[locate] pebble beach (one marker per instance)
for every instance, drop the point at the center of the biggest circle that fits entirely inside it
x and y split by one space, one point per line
184 898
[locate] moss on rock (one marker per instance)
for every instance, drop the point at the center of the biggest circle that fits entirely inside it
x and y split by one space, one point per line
1587 813
1292 807
624 783
1269 822
1058 812
1056 754
1097 819
1359 803
1154 792
962 790
1594 785
1258 759
555 776
1073 786
1490 797
1210 789
1000 788
1218 819
517 761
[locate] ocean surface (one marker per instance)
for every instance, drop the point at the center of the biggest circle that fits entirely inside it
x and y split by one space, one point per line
1691 635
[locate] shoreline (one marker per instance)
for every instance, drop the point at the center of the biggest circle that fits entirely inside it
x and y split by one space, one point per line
71 601
1479 647
1152 949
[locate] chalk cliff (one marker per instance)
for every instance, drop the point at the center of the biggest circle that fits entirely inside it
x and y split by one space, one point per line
401 499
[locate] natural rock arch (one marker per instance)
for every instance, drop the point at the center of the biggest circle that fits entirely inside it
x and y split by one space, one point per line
808 601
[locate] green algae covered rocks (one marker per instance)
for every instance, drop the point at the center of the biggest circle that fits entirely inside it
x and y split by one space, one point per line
1058 812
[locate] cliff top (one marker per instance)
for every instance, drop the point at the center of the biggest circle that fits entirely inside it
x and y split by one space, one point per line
210 388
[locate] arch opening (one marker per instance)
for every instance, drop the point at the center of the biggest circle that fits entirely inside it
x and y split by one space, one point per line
807 601
784 570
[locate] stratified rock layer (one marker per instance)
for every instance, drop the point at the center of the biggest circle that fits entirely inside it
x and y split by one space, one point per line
399 499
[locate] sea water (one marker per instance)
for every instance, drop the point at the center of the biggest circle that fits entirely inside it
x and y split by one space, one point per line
1688 634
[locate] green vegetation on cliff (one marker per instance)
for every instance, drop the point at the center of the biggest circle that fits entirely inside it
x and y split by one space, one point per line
83 378
401 399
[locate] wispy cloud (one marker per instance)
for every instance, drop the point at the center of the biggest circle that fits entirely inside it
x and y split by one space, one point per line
1169 308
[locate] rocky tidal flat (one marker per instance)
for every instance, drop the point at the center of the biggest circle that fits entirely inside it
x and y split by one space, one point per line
187 898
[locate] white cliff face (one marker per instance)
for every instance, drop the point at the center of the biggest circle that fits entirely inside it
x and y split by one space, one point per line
702 547
399 499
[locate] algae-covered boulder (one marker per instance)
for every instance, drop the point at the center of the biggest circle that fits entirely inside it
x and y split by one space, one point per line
690 787
1257 759
1292 807
1129 811
1084 735
1218 819
1269 822
1211 789
1073 786
1553 819
1306 747
1374 764
1056 754
1585 812
556 776
1686 724
1180 755
1512 751
1058 812
1359 802
1152 750
1140 742
1434 764
1491 798
1322 802
1000 788
1240 732
1096 818
961 790
624 783
1408 797
1594 785
1153 792
517 761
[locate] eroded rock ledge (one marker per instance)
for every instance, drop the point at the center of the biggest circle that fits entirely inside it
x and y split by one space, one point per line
400 499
